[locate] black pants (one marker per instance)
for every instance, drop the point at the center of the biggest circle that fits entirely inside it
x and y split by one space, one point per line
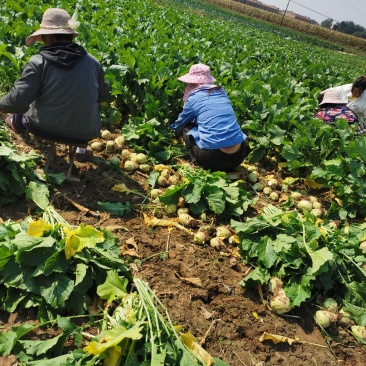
49 135
214 160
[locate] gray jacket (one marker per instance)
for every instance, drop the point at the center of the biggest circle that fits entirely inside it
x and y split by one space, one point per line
59 93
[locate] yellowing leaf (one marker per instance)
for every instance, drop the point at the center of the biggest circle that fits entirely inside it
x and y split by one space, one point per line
191 342
113 356
312 184
154 221
275 338
121 187
289 180
339 201
161 167
37 228
113 337
80 238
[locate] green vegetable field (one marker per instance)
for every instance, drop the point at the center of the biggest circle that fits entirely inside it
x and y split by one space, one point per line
82 265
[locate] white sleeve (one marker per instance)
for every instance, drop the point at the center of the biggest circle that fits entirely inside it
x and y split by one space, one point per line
359 107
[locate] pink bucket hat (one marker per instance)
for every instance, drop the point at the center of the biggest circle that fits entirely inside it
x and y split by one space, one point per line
333 97
198 74
54 21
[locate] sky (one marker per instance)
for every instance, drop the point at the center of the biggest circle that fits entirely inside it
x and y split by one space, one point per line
319 10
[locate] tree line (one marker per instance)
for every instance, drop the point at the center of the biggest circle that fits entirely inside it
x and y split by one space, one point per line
347 27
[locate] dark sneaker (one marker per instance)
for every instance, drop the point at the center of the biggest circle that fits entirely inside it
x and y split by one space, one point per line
82 158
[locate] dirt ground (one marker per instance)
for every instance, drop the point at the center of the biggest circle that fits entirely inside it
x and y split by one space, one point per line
227 320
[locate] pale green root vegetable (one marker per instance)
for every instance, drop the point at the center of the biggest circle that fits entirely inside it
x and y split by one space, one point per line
296 196
252 178
141 158
155 193
182 210
106 135
216 242
330 304
272 183
186 219
325 318
162 181
200 237
120 141
280 303
96 146
144 167
171 209
258 187
110 146
130 166
305 205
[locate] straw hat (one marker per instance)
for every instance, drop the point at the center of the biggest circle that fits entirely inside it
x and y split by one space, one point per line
333 97
198 74
54 21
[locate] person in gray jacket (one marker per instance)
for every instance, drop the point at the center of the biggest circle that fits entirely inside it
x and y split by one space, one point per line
58 94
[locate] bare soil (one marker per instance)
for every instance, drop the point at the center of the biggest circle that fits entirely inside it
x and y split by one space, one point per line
225 318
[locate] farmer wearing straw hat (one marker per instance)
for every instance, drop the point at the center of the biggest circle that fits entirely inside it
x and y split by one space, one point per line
58 93
208 123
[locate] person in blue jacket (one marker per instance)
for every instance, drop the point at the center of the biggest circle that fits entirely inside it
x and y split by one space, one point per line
208 123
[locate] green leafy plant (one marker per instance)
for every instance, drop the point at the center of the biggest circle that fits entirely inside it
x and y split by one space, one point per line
115 208
135 328
54 267
203 190
16 174
308 255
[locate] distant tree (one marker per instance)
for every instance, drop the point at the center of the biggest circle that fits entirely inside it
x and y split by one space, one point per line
360 34
327 23
349 27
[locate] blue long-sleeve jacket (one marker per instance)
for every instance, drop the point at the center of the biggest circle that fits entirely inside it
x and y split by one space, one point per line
215 120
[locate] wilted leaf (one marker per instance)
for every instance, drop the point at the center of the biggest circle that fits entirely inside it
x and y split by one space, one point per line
275 338
312 184
191 342
130 248
206 313
193 280
121 187
153 222
80 238
37 228
289 180
113 337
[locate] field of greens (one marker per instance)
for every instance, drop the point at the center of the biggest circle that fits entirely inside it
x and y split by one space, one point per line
298 218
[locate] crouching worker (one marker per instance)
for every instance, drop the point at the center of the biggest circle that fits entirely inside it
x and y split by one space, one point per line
208 123
346 101
58 94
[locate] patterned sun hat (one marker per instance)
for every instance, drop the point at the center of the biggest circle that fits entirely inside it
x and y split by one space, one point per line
198 74
54 21
332 96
